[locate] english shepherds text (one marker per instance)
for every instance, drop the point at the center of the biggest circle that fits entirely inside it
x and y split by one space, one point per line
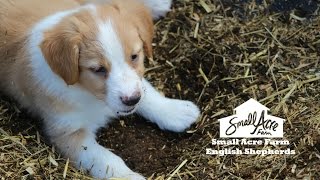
228 147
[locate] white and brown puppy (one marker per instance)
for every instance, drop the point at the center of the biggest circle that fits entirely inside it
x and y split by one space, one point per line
78 66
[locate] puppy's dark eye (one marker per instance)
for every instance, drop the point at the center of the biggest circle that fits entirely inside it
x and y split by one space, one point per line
101 71
134 57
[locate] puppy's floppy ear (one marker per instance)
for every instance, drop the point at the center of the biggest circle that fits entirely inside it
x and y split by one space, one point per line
60 48
146 34
143 20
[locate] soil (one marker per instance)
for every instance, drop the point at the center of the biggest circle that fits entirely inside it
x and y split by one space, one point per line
144 147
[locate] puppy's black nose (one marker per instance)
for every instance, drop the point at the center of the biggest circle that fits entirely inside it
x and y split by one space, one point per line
131 101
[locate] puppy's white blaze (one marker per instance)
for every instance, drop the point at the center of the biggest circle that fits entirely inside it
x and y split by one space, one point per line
122 79
110 42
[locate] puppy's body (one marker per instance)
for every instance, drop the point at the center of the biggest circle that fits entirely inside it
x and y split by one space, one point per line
78 66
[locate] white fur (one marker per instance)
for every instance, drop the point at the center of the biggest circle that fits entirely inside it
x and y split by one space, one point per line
159 8
169 114
122 78
89 113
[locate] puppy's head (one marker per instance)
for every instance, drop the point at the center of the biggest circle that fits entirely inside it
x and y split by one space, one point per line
102 50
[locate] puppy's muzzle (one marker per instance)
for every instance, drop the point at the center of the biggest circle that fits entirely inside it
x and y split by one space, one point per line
131 100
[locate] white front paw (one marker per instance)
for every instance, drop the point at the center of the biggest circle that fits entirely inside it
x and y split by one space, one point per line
159 8
101 163
132 176
117 170
177 115
114 173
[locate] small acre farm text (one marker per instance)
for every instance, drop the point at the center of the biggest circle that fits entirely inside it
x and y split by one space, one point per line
230 143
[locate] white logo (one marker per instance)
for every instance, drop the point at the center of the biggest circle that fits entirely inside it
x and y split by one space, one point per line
251 120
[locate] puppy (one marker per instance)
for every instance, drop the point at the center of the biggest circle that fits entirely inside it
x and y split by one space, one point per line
78 66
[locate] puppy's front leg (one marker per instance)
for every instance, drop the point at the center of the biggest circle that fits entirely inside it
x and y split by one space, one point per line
83 150
170 114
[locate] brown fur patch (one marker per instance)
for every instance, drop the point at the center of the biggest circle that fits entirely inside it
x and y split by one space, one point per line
61 46
61 51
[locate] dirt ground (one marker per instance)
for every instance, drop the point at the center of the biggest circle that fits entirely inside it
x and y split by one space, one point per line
218 54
